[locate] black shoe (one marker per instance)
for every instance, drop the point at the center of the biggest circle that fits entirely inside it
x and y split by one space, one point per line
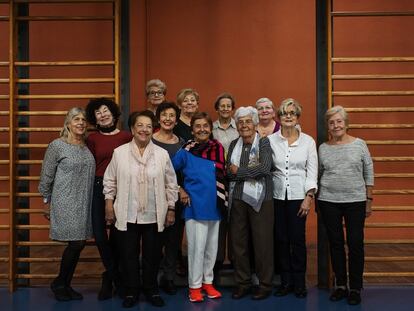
301 292
283 290
106 288
129 302
74 295
261 293
240 291
155 300
354 297
338 294
169 287
60 291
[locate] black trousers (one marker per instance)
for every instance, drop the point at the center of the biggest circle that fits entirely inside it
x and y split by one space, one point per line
291 239
171 243
148 237
333 215
243 222
107 246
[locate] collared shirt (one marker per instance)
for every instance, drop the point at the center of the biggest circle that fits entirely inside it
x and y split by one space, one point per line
225 136
296 166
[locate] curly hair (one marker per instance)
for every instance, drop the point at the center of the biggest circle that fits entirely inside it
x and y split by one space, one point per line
167 105
94 105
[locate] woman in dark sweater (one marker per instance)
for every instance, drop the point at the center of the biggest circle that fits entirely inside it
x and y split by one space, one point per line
104 114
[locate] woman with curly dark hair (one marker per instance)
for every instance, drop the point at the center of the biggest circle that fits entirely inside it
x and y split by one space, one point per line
103 113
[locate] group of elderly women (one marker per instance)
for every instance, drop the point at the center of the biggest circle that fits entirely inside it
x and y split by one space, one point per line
255 180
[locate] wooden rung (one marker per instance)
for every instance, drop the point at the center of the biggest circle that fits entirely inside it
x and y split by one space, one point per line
4 243
62 1
388 274
4 227
371 59
4 259
381 109
394 175
4 64
4 276
31 146
389 225
400 241
65 18
29 211
66 96
38 129
393 208
4 178
41 113
4 96
23 162
4 80
27 178
79 80
393 159
4 18
4 161
390 142
400 191
4 145
4 210
54 259
370 13
4 194
389 258
372 93
380 126
52 276
48 243
4 129
27 194
67 63
32 227
372 77
4 113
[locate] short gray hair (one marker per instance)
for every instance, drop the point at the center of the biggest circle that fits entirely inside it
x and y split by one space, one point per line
157 83
247 111
264 100
334 110
70 115
289 102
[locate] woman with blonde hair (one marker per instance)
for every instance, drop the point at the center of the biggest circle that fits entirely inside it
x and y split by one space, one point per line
66 184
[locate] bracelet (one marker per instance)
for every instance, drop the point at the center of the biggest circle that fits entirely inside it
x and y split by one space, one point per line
171 209
310 195
370 199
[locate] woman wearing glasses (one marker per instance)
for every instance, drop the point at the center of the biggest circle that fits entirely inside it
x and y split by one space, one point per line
294 186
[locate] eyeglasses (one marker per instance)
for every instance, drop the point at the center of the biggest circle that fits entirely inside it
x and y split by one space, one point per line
245 122
155 93
289 114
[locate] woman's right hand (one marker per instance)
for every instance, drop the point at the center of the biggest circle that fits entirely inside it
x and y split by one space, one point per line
184 197
46 211
109 212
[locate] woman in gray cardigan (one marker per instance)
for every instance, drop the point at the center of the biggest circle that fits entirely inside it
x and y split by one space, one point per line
345 193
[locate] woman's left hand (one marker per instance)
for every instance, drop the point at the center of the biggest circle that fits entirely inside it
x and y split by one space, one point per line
305 207
170 218
368 208
233 169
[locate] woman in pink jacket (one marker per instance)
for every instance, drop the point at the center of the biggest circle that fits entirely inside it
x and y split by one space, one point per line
140 188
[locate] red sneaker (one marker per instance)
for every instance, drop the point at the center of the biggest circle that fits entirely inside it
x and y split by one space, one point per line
211 291
195 295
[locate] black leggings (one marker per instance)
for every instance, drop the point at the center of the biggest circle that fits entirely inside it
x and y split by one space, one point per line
70 258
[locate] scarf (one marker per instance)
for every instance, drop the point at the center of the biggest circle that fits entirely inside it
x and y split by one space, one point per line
253 193
212 150
142 172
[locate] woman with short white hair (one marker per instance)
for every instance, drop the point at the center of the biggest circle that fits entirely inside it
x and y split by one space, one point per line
248 168
267 123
